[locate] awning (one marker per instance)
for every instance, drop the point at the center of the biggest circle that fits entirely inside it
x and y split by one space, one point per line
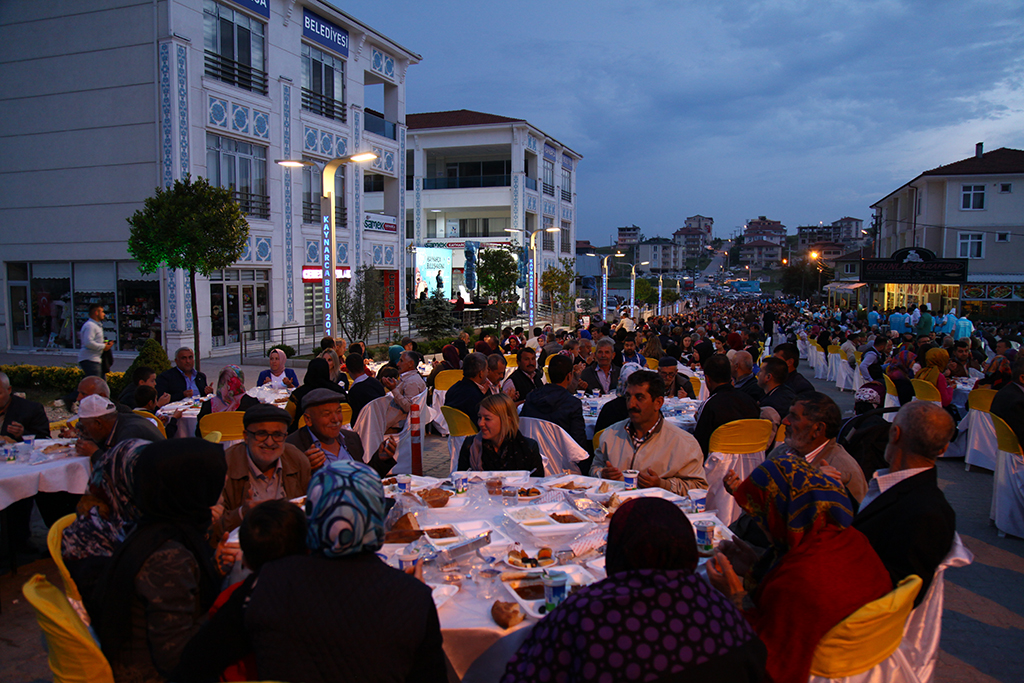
844 286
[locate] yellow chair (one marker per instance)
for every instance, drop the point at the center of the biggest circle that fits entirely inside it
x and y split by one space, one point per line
868 636
695 383
446 378
74 655
346 414
212 437
1005 437
890 388
742 436
926 391
652 363
291 408
459 424
302 422
547 361
981 399
597 438
151 417
780 436
511 360
228 423
53 541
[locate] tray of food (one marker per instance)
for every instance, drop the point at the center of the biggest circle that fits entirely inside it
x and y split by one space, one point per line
528 493
548 519
518 557
442 535
508 477
572 482
479 527
528 591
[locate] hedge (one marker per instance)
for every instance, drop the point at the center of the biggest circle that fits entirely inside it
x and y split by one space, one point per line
63 379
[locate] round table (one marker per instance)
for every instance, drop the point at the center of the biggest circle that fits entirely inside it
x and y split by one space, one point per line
682 412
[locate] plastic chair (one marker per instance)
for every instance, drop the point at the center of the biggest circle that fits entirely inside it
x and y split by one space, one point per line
302 422
74 656
511 360
652 363
833 362
157 422
981 399
844 373
740 446
780 436
597 438
867 637
892 398
446 378
557 449
53 541
695 383
979 443
1008 487
291 408
459 427
346 413
926 391
228 423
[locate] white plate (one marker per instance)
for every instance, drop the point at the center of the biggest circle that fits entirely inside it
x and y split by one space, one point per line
475 528
581 482
537 519
442 593
508 477
578 576
598 567
655 492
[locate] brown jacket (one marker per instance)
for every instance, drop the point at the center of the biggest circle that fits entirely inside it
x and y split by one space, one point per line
294 471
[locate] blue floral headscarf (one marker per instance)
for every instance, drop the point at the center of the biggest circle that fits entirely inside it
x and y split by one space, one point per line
345 505
627 370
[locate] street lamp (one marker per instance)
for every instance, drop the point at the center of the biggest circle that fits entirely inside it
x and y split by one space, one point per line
328 237
814 257
632 287
659 293
604 284
532 272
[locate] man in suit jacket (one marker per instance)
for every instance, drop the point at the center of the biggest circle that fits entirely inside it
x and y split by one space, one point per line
466 394
602 375
904 514
1009 401
19 416
776 395
364 387
554 403
743 377
794 380
182 381
725 404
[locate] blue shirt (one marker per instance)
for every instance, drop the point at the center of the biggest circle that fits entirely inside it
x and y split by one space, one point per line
342 455
190 382
873 318
896 323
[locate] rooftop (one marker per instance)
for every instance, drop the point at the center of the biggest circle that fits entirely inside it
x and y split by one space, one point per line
452 119
1002 160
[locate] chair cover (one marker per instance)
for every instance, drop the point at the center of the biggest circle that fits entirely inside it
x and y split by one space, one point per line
1008 487
403 456
833 363
821 366
436 403
845 374
559 452
371 427
739 446
454 449
892 399
804 347
978 439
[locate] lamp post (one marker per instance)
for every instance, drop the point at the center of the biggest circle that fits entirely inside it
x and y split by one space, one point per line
533 274
679 296
604 284
814 257
659 292
328 236
632 287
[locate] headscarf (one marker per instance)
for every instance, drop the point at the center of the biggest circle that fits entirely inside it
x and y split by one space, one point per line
175 483
230 389
345 505
790 500
650 533
482 347
450 354
734 341
627 370
936 361
97 535
901 365
394 353
871 392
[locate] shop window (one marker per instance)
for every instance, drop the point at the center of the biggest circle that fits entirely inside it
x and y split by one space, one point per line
233 44
138 306
95 283
972 197
239 305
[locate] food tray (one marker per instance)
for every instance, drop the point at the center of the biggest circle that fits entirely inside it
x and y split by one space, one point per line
578 576
508 477
537 519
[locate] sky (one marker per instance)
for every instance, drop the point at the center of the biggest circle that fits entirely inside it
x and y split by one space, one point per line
798 111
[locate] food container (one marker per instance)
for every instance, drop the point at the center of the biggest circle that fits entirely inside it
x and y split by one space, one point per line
699 498
631 477
556 586
510 496
705 533
404 482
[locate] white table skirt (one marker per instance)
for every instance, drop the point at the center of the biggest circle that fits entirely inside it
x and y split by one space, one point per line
18 481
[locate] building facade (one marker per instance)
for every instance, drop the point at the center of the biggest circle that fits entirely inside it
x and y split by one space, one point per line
135 96
847 231
628 236
763 228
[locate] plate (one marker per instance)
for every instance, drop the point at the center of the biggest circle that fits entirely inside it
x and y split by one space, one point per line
475 528
577 481
509 477
442 542
538 521
654 492
442 593
578 576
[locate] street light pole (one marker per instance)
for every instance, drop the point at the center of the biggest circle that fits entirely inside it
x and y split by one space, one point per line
659 293
533 274
632 288
328 233
604 285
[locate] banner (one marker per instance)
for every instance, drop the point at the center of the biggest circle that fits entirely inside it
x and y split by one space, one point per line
325 32
380 223
433 271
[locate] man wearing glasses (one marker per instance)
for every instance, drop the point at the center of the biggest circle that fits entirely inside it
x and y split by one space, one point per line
262 468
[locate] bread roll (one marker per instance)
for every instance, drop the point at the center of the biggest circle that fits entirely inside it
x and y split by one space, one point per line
506 614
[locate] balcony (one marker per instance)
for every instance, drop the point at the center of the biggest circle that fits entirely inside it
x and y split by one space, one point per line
241 75
566 196
255 205
531 183
549 189
464 182
378 125
323 105
311 214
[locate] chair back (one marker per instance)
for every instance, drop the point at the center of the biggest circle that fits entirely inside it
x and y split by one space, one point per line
780 436
890 387
228 423
157 422
858 357
833 349
742 436
981 399
446 378
652 363
302 421
1005 437
212 437
842 354
926 391
695 383
53 541
459 424
346 414
868 636
74 655
557 449
291 408
597 438
511 360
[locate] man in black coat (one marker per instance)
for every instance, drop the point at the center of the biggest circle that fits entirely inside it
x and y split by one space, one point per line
1009 401
724 405
526 377
554 403
794 380
904 514
466 394
19 416
603 375
771 379
743 378
364 387
182 381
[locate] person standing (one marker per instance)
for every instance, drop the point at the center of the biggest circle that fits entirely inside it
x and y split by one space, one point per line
93 345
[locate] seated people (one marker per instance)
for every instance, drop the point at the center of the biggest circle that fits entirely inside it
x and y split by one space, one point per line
629 352
526 377
318 376
404 390
496 368
933 372
466 394
904 514
183 381
677 385
961 364
450 360
664 454
324 439
263 467
817 571
143 376
743 378
651 557
230 395
305 616
278 376
102 427
334 366
553 402
865 436
145 400
162 578
499 445
725 403
794 380
603 374
778 397
364 387
1009 401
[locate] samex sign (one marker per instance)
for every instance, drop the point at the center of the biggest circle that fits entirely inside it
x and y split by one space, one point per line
324 32
380 223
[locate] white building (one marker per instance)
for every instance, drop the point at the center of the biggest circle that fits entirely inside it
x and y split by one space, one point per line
104 105
659 253
629 236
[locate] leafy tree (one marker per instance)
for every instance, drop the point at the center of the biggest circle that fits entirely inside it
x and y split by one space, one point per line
359 304
645 292
433 317
194 226
801 278
498 274
557 284
669 297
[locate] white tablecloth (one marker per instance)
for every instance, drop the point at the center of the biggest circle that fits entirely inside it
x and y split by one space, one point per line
961 389
679 411
19 481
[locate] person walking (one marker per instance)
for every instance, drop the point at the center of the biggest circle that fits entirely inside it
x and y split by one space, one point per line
93 345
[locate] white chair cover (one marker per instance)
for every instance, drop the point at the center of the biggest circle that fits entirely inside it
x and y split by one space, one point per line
821 367
858 379
715 469
890 402
844 376
454 449
440 423
559 452
804 347
834 361
371 427
979 440
403 456
1008 494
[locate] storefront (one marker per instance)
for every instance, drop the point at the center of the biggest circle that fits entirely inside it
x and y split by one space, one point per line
993 301
239 304
915 276
49 302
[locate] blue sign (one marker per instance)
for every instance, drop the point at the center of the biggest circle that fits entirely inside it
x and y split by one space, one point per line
261 7
328 34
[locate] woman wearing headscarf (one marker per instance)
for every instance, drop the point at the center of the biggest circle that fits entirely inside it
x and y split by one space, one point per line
230 394
318 376
450 361
900 369
817 571
394 354
935 363
616 410
162 579
499 445
652 619
386 630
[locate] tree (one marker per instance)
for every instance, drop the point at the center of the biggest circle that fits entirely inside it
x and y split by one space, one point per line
194 226
557 284
644 291
433 317
497 274
802 277
360 304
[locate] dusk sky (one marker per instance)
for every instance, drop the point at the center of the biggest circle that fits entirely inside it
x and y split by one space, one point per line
801 111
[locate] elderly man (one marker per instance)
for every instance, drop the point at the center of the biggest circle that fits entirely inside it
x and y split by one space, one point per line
525 378
19 416
404 390
496 367
102 426
676 385
466 394
904 514
743 378
323 439
665 455
183 381
261 468
603 375
555 403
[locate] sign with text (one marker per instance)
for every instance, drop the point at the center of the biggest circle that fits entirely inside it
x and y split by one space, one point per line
324 32
434 271
380 223
315 275
260 7
914 265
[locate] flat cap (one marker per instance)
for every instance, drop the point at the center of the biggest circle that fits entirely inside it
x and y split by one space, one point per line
266 412
319 397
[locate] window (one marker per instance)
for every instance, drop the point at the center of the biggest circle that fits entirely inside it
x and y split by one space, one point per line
483 227
566 235
242 168
548 238
323 83
1002 237
1005 188
566 185
233 44
410 229
239 305
549 178
373 182
971 245
312 184
973 197
850 268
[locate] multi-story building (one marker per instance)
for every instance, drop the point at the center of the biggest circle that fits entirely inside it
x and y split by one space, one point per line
703 223
122 97
970 209
628 236
690 243
761 254
659 253
762 228
847 231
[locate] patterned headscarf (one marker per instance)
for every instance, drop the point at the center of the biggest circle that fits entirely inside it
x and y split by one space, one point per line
627 370
230 389
936 361
345 505
97 535
870 393
901 365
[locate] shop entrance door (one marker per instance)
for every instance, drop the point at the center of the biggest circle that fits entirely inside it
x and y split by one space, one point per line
21 327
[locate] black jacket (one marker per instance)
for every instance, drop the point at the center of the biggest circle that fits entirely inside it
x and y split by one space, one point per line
173 382
361 393
781 399
554 403
28 414
1009 405
523 384
589 375
911 527
750 387
724 405
465 395
799 384
615 410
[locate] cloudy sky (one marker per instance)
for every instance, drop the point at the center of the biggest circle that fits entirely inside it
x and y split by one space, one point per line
803 111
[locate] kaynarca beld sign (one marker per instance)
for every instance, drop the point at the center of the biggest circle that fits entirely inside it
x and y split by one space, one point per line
914 265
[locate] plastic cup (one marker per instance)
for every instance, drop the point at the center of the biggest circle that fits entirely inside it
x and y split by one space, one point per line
705 533
404 483
30 439
461 482
406 558
699 498
632 479
556 585
510 496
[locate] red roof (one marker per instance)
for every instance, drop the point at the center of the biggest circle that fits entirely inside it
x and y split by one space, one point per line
1002 160
459 117
761 243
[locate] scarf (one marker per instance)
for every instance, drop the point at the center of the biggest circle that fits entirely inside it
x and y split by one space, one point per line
230 389
936 361
451 361
345 505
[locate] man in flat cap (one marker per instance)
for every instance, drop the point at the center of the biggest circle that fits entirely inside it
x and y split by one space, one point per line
323 439
261 468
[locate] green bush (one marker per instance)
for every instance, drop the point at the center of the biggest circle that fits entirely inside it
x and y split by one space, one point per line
288 351
63 379
151 355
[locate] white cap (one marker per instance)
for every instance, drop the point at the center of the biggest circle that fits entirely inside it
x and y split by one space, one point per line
96 406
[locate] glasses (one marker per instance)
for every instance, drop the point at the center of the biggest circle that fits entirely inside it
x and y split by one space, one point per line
264 436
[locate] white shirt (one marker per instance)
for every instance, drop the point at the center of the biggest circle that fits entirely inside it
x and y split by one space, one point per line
92 341
883 480
813 454
277 381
